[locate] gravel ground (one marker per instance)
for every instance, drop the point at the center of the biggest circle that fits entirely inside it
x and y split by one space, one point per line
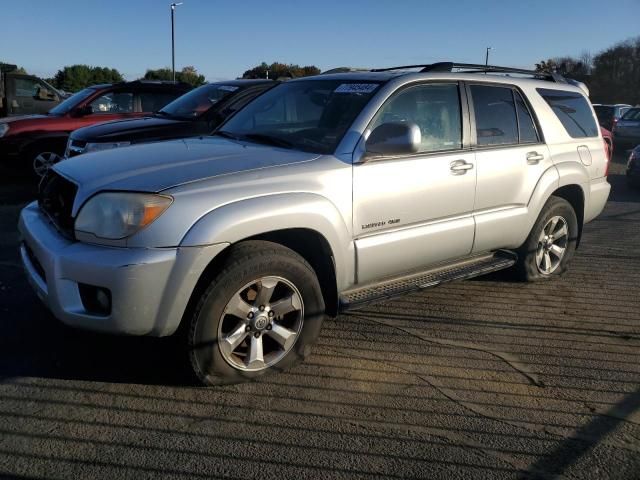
478 379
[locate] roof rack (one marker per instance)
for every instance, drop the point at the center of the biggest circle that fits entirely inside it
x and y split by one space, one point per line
477 68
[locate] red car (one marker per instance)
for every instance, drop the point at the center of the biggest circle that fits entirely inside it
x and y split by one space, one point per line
608 142
39 141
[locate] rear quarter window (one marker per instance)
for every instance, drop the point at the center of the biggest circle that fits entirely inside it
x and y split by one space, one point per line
573 111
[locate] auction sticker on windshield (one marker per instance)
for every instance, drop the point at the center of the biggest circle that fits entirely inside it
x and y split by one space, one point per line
356 88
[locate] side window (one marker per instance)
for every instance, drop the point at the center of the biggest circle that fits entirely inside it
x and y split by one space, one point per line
495 113
573 110
26 87
113 102
435 108
526 127
154 101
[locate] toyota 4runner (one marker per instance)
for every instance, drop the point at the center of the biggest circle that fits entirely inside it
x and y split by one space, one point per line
320 195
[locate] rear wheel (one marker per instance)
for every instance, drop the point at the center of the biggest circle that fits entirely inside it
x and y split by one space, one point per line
260 314
551 242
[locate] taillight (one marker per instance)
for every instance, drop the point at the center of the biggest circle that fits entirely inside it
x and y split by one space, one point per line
608 153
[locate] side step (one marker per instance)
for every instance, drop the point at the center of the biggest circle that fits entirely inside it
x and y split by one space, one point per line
396 286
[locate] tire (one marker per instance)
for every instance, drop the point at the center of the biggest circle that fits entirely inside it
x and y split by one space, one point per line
250 269
532 264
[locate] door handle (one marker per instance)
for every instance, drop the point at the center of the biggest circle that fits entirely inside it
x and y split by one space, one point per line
533 158
460 167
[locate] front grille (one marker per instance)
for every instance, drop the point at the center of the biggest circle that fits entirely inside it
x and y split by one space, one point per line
55 199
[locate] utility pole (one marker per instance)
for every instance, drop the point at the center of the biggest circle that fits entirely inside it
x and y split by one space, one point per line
173 40
486 58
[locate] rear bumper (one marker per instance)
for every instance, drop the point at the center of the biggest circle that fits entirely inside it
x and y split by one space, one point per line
599 190
149 288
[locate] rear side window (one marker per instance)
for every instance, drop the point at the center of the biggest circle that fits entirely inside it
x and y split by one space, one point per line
496 119
526 127
572 109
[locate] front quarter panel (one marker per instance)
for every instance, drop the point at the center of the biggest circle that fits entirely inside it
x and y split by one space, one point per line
237 221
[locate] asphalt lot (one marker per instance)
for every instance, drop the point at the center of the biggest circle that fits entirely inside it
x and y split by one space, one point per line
478 379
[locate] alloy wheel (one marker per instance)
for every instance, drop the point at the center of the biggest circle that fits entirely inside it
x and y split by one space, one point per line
552 245
260 323
44 161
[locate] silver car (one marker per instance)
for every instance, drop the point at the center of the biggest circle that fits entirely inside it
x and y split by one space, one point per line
321 195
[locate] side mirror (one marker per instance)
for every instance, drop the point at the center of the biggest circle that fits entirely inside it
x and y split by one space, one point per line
82 111
44 94
394 138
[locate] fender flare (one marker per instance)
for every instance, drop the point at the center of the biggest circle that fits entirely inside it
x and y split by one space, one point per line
244 219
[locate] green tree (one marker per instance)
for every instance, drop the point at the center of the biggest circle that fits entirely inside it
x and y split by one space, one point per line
277 70
187 75
76 77
612 75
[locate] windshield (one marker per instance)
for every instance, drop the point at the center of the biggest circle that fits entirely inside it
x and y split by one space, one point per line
198 101
71 102
308 115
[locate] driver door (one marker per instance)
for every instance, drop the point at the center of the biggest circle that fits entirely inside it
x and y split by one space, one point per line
416 210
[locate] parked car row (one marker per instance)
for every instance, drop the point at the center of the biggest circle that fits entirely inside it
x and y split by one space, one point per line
115 115
319 195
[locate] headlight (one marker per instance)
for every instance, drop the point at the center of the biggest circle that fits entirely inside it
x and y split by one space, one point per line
93 147
118 215
4 128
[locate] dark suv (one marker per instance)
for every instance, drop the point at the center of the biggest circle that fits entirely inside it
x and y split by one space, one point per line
198 112
40 140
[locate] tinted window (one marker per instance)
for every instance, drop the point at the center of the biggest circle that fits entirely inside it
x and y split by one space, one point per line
572 109
632 114
26 87
310 115
154 101
496 121
526 127
113 102
434 108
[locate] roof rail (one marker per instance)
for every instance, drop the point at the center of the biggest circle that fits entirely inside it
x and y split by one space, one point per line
477 68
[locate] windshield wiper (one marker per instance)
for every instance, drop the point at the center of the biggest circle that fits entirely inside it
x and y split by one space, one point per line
267 140
225 134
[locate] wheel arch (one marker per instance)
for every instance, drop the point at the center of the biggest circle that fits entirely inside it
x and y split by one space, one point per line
574 194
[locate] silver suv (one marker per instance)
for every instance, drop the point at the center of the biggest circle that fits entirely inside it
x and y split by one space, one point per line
321 195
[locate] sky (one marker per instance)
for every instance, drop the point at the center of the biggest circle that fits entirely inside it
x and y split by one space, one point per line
223 38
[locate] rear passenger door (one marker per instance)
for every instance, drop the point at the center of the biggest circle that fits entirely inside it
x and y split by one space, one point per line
510 159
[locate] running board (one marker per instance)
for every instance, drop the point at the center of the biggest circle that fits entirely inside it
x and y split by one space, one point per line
396 286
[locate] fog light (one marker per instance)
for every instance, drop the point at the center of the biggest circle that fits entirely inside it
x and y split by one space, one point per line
95 300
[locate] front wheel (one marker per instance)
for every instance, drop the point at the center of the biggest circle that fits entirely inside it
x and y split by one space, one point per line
260 314
43 161
551 242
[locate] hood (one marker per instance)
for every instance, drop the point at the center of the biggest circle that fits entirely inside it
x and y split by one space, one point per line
154 167
135 129
21 118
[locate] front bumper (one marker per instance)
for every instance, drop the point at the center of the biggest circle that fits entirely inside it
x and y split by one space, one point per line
150 288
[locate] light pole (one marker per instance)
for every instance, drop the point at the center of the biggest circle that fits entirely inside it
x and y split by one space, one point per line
486 58
173 40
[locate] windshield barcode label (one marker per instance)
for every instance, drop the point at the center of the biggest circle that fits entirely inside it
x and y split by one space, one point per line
356 88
